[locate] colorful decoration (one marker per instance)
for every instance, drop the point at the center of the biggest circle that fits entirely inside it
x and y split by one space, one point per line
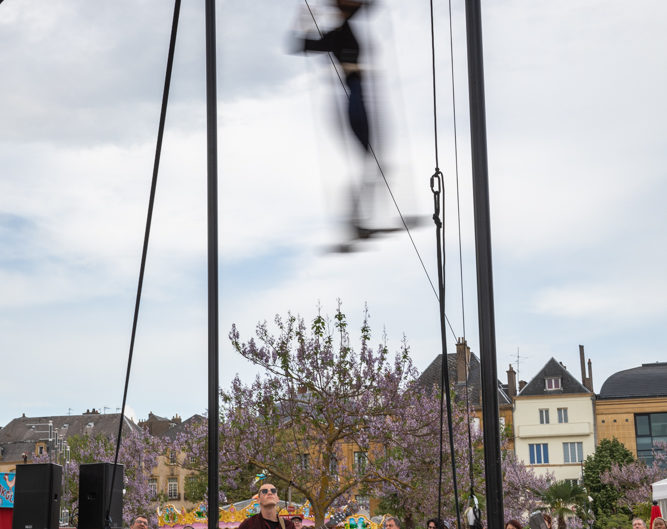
260 477
7 481
231 516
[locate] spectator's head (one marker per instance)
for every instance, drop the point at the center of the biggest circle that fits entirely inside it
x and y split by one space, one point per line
659 523
638 523
139 522
297 521
433 523
268 495
512 524
391 522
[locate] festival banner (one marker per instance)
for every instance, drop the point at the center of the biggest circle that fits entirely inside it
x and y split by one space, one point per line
7 481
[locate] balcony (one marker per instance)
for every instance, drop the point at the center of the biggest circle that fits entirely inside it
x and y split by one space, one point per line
569 429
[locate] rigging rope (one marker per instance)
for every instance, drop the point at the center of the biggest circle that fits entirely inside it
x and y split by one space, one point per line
437 187
381 171
456 166
149 217
463 317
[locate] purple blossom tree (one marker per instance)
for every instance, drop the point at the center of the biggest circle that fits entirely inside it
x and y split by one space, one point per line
416 499
323 416
633 481
522 488
333 421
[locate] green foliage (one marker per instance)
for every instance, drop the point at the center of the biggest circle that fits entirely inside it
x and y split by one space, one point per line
614 521
196 486
392 503
642 510
245 485
79 446
605 497
564 498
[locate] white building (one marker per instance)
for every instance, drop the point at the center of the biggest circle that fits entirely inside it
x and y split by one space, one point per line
554 421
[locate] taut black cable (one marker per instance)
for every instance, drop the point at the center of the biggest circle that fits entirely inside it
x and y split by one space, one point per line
456 165
437 187
149 217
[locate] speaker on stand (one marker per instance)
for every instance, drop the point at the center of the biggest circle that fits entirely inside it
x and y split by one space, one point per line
94 489
37 496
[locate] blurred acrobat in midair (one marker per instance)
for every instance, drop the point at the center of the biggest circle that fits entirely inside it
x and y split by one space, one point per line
343 44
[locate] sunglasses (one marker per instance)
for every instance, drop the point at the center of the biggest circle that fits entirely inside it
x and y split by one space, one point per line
266 491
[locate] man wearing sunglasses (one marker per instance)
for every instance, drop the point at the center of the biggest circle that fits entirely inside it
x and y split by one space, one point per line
267 518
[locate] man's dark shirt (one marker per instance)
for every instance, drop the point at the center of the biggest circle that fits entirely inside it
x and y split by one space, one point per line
259 522
340 41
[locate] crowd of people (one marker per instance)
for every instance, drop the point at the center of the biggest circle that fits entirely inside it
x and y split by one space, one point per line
268 518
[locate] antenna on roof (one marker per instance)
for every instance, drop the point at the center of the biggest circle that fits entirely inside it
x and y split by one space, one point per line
518 362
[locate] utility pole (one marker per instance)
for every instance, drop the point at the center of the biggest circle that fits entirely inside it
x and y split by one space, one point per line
485 304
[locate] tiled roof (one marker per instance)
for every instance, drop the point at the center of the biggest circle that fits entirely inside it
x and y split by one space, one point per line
21 434
33 429
648 380
553 368
172 432
431 377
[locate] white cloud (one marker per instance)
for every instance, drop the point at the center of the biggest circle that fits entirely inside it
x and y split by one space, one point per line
576 125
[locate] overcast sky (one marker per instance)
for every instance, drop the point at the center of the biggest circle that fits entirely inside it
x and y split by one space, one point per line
576 114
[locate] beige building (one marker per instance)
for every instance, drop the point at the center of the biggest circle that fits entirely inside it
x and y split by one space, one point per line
554 421
632 407
168 479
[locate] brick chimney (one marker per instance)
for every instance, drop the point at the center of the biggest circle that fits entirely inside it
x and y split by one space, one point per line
511 382
462 360
590 375
587 381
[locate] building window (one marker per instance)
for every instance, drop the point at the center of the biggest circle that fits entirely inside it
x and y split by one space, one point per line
476 425
172 489
539 453
562 415
172 457
360 461
152 488
41 450
544 416
651 429
573 452
553 383
333 465
363 501
304 460
190 491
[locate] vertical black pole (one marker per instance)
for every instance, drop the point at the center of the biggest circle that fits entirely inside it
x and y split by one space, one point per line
212 201
487 331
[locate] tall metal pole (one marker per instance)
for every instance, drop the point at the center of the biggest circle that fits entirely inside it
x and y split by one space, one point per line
212 201
487 331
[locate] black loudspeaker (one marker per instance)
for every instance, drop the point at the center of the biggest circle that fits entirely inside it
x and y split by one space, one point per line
94 490
37 496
